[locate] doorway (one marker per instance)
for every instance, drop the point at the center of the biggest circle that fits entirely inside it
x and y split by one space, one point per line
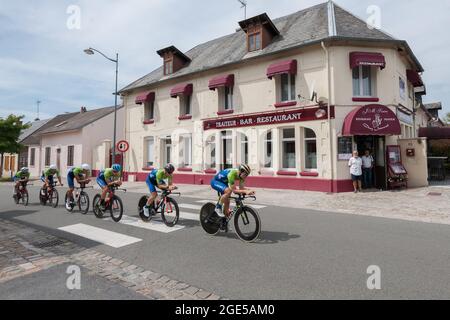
227 150
377 147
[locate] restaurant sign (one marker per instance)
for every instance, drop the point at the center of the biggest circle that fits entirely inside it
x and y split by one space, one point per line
269 118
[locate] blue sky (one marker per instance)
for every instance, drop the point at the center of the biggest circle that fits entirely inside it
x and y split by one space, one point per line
42 59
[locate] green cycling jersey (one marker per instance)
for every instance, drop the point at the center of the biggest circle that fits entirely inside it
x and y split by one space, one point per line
110 176
162 175
78 171
51 172
232 176
22 175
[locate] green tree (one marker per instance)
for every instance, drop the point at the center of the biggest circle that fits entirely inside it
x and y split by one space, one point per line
447 118
10 130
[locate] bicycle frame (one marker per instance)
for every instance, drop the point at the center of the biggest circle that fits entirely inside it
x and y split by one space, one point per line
110 194
239 201
164 196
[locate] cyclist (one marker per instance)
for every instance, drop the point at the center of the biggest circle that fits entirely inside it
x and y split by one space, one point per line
81 175
155 179
108 178
227 182
48 177
22 176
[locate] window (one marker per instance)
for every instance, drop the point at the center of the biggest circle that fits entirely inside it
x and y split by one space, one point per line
185 105
287 87
268 156
244 149
402 86
310 150
345 148
228 98
168 66
211 152
186 151
363 84
150 152
288 148
48 151
254 41
167 150
149 111
70 150
6 162
32 157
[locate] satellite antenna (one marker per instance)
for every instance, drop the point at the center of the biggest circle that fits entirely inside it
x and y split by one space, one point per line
38 102
244 5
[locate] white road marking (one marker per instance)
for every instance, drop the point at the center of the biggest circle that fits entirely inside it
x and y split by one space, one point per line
256 206
109 238
153 225
190 216
189 206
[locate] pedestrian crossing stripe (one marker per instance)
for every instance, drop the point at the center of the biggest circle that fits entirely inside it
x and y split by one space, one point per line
109 238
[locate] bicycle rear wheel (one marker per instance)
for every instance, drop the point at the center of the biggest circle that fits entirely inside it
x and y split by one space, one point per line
170 212
142 203
70 209
208 218
116 209
83 203
247 224
43 196
96 206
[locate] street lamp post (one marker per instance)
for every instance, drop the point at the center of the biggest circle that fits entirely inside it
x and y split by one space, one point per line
91 51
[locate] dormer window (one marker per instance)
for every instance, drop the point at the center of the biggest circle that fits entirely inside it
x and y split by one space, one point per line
254 41
168 66
260 31
174 59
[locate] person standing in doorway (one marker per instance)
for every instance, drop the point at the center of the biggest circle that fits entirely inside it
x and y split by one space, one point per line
355 163
368 163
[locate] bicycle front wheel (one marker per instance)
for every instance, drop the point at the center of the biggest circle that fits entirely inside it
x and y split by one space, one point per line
247 224
170 212
83 203
116 208
24 198
54 198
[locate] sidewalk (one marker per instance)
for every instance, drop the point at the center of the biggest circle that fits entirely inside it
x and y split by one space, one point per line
33 265
431 204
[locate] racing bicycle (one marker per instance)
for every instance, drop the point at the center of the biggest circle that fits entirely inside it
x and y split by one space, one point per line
21 197
113 204
80 199
246 219
49 195
167 207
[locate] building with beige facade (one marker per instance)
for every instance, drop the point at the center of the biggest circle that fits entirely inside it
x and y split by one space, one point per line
292 97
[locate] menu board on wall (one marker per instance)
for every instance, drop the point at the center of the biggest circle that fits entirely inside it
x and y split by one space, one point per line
345 148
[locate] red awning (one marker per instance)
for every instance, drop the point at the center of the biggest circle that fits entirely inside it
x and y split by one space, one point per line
415 78
145 97
289 67
435 133
371 120
367 59
221 81
181 90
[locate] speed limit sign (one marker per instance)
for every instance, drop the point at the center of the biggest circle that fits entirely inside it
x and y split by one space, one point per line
123 146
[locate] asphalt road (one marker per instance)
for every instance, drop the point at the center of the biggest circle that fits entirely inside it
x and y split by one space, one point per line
302 254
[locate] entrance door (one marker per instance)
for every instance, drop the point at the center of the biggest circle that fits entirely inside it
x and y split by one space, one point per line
167 151
58 158
376 146
380 163
227 150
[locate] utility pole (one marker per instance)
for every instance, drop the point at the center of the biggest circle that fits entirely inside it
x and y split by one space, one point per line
244 5
38 103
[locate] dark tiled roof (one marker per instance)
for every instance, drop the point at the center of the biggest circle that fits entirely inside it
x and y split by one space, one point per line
75 121
35 126
68 122
301 28
433 106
